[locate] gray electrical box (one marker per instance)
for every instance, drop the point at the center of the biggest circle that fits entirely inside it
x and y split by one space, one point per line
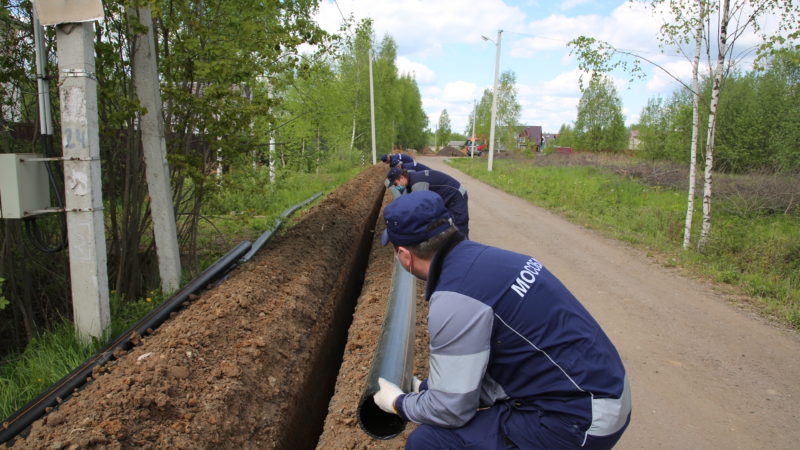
53 12
24 189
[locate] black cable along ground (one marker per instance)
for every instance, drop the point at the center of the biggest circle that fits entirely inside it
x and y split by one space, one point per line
267 235
66 386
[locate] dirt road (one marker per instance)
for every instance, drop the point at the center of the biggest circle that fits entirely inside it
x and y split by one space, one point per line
704 372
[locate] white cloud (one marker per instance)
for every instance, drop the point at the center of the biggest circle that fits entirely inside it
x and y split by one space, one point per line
460 91
424 27
628 25
457 98
419 72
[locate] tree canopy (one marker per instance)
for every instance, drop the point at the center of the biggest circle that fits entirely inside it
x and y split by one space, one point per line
600 124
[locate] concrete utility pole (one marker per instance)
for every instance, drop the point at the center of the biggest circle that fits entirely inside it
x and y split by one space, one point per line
148 89
84 199
271 140
372 108
494 96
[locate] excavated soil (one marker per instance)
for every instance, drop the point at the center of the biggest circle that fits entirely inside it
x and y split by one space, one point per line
251 363
450 151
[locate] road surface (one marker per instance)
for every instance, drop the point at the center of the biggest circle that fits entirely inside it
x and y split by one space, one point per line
704 373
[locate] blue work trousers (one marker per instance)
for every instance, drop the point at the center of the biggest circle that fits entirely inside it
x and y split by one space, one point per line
504 427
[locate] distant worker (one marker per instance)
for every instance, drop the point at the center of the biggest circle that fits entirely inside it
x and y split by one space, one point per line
452 192
515 360
396 158
414 166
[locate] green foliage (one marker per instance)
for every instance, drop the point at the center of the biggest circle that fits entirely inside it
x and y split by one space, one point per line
443 128
3 301
55 353
413 120
665 128
600 124
47 359
508 111
246 204
759 254
326 108
758 125
566 137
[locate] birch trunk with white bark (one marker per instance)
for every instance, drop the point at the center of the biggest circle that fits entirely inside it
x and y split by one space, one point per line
698 40
712 122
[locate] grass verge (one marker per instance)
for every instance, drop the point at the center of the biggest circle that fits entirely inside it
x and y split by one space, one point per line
759 255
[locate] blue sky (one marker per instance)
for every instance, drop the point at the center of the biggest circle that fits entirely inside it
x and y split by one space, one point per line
439 42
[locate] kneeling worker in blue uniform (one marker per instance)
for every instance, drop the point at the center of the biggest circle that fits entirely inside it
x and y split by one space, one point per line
451 190
515 360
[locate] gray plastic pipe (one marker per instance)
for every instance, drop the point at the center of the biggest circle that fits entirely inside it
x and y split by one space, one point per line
394 357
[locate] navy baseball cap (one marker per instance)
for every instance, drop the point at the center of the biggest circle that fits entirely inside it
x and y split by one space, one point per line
394 173
414 218
384 158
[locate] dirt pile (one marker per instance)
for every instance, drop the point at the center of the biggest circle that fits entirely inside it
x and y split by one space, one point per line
250 362
450 151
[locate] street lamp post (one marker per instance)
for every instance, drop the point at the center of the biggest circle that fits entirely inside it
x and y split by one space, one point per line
473 143
494 95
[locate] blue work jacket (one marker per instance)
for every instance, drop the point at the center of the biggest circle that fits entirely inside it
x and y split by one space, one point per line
504 329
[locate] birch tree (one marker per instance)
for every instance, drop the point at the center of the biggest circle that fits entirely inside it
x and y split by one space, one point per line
690 21
698 46
734 20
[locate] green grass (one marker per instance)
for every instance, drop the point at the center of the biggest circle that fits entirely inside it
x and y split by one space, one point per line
53 354
759 256
244 205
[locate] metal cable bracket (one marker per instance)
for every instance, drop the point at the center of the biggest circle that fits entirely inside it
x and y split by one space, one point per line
62 158
52 210
78 73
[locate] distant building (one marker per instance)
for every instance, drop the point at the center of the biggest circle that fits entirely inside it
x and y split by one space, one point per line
530 138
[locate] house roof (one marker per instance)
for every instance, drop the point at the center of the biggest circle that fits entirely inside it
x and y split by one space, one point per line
532 133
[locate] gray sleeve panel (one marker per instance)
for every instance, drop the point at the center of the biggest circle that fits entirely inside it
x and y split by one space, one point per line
610 414
460 330
458 324
421 186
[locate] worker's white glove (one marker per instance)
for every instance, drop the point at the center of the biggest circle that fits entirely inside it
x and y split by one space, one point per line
386 395
416 383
